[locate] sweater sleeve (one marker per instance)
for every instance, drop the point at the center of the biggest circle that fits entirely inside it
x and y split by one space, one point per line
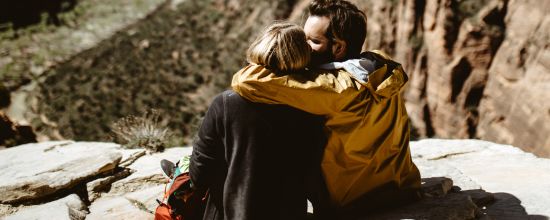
207 156
321 93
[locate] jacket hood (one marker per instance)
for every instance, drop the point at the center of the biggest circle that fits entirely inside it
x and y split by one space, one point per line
375 70
359 68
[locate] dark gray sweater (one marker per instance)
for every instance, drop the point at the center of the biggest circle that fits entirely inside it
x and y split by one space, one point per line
254 158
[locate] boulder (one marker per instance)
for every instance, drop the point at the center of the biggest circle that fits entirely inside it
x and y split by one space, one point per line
35 171
68 208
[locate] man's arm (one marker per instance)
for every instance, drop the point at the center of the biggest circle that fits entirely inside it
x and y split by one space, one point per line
207 157
321 93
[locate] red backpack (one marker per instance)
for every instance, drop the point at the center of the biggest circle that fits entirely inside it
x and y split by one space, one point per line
181 202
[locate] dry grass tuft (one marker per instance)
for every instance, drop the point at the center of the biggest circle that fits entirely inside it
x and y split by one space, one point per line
141 131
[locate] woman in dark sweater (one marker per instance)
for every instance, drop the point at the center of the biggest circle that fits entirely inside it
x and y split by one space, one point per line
254 158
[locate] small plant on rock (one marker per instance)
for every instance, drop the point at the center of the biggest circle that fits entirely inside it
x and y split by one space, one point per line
141 132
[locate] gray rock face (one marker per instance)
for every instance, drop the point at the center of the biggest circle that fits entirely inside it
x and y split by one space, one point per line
520 181
34 171
68 208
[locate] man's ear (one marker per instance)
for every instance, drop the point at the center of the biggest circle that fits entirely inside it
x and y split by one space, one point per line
339 49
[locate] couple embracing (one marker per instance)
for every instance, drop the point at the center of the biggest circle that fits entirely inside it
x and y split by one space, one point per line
310 117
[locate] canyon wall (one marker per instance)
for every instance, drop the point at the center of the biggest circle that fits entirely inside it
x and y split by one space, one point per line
478 69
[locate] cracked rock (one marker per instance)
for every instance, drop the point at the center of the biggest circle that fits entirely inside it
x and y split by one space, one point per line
97 186
35 171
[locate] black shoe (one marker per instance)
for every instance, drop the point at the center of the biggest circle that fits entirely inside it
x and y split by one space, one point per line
168 167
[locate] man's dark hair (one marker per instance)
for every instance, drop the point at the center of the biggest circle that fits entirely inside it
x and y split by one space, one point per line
347 23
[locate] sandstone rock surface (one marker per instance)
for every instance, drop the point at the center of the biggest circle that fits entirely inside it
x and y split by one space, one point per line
68 208
515 108
518 180
462 179
119 183
34 171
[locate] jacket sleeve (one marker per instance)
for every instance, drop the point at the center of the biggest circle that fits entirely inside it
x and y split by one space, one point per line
321 93
207 157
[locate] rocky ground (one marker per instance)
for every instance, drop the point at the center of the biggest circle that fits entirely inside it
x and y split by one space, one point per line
92 179
462 179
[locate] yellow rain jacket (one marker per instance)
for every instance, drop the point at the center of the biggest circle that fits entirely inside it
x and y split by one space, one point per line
367 123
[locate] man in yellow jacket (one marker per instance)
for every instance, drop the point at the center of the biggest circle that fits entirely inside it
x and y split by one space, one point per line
367 158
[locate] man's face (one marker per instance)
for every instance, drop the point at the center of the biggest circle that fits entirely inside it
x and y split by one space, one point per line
316 28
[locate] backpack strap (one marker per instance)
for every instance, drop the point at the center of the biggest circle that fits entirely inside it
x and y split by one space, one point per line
177 182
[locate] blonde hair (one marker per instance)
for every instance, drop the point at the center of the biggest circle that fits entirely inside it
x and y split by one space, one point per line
282 46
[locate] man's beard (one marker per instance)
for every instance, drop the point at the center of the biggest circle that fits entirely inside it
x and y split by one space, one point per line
319 58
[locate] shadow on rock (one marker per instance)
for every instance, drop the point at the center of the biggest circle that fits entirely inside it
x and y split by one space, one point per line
507 206
442 200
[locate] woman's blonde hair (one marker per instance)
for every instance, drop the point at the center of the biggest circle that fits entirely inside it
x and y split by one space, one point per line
282 46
